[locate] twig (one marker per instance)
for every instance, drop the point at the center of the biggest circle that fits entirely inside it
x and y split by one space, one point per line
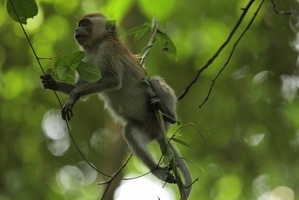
231 54
150 44
31 46
210 61
114 176
168 151
50 58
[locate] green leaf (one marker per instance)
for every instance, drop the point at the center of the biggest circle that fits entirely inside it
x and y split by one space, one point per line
89 72
50 71
69 78
167 43
65 75
167 155
138 31
167 158
62 67
181 142
24 8
64 64
139 34
75 58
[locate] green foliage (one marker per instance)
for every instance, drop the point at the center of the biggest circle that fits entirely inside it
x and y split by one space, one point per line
167 156
162 38
138 31
25 9
165 41
66 64
181 142
88 72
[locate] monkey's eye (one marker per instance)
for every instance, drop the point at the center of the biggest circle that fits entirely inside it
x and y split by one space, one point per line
84 22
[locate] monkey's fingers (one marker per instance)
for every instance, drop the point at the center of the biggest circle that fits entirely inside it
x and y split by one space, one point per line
49 86
66 113
47 77
170 179
49 82
155 103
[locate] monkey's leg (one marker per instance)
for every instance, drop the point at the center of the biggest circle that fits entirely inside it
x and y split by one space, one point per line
137 141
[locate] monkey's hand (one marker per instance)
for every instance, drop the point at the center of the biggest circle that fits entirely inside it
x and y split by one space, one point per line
164 174
67 110
156 103
49 82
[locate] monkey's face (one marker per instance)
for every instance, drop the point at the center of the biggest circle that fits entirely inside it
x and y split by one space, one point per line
90 30
83 31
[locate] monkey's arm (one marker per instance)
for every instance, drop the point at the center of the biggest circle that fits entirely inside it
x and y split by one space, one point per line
85 89
50 83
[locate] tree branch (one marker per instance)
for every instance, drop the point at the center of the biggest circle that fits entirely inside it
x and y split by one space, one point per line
150 44
211 60
231 53
114 176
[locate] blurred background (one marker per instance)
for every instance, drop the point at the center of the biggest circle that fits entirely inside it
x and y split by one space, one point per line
251 117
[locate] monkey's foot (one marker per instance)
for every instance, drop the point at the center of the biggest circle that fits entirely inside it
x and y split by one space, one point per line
156 103
164 175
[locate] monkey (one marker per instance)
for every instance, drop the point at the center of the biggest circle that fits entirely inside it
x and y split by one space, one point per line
126 95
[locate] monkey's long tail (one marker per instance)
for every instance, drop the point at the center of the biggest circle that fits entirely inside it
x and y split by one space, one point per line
184 170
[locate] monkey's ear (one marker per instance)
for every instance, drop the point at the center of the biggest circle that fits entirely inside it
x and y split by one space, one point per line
111 25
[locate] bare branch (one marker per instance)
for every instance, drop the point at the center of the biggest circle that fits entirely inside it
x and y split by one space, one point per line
210 61
114 176
150 44
231 53
168 151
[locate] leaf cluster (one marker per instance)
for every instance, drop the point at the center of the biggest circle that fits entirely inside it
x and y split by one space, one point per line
25 8
162 38
66 65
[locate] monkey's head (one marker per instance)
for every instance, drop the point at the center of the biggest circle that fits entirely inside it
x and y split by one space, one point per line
93 28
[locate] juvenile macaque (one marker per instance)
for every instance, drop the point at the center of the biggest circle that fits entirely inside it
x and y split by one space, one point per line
128 98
